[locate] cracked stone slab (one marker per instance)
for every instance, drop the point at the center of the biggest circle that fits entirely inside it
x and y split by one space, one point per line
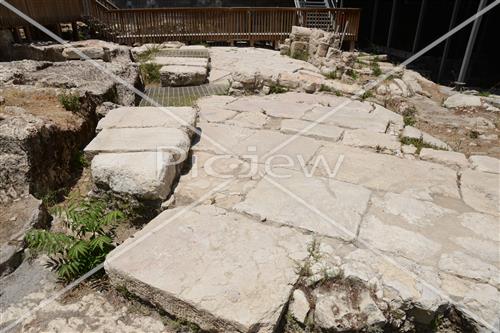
218 269
207 177
449 158
368 139
390 173
136 117
181 61
212 108
355 115
249 119
219 138
324 206
319 131
480 191
485 164
121 140
271 105
294 154
145 175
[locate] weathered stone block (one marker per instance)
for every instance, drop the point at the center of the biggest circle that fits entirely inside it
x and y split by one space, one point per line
174 76
144 175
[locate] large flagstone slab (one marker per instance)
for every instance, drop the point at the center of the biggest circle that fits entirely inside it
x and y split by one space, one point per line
326 207
220 270
390 173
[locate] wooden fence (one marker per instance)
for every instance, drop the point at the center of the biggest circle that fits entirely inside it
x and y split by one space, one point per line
128 26
218 24
43 11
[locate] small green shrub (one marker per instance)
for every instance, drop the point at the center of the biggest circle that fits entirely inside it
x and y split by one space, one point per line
409 116
79 161
300 55
325 88
353 74
149 54
473 134
85 245
418 143
484 93
375 68
366 94
331 75
70 102
277 89
150 72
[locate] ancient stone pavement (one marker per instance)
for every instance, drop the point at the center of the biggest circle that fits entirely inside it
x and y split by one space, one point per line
418 229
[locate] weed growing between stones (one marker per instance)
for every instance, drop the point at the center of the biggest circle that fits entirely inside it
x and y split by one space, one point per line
366 94
327 89
331 75
375 68
352 74
150 72
419 144
300 55
70 102
89 238
277 89
409 116
149 54
473 134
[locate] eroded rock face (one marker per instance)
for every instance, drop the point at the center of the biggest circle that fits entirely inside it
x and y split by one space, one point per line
37 154
16 219
346 307
102 83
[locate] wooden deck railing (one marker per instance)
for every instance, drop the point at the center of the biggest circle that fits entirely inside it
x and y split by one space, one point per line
219 24
129 26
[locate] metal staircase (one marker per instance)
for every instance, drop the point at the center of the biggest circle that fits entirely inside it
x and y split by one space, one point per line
319 20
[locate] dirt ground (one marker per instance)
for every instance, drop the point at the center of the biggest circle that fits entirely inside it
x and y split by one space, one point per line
42 103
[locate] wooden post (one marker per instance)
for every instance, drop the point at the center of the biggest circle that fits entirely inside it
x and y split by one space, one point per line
27 33
470 44
374 20
453 19
419 25
17 35
74 28
391 25
352 44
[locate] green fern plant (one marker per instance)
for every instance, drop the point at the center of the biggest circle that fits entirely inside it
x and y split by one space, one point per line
90 237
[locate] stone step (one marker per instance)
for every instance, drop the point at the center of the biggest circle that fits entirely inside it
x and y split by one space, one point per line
144 175
218 269
132 140
181 61
140 150
183 118
176 75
